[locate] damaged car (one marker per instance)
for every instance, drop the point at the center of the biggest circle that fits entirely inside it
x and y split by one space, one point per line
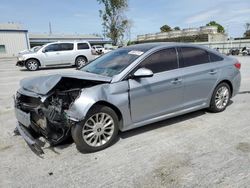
122 90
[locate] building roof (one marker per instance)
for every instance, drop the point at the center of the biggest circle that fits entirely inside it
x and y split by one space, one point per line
12 27
63 36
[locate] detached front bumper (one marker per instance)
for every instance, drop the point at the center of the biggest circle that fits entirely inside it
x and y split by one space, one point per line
24 132
23 126
20 63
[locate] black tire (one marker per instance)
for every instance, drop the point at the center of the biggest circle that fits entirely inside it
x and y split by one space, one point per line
32 65
213 107
77 134
80 62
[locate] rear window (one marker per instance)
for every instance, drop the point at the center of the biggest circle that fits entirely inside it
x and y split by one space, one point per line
82 46
214 57
191 56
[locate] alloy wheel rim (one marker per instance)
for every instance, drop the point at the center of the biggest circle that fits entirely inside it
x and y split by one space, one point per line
222 97
98 129
80 62
32 65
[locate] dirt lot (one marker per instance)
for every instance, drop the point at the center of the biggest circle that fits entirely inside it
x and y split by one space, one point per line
195 150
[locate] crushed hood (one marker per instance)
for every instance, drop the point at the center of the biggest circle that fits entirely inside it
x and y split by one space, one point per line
44 84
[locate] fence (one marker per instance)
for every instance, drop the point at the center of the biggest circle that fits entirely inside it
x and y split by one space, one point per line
225 46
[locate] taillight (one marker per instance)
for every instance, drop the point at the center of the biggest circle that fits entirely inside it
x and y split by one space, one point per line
237 65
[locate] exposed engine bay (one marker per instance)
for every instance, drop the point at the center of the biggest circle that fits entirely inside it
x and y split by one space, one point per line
48 113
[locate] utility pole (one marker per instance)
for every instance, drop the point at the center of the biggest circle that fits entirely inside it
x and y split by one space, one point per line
50 29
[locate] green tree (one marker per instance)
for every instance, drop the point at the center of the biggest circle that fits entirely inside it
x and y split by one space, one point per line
165 28
247 33
177 28
114 20
220 27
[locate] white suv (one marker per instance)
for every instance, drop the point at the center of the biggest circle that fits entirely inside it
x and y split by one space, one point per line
58 54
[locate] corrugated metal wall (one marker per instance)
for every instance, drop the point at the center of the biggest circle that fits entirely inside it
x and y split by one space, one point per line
14 42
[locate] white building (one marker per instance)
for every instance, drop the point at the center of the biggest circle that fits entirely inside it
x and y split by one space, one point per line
202 34
13 39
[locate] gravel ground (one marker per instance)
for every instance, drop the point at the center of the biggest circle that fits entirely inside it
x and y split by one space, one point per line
199 149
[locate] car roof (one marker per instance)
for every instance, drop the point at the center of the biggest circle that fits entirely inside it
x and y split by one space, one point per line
148 46
78 41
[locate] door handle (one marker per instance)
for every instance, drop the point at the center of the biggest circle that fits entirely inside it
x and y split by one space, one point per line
176 81
57 53
212 72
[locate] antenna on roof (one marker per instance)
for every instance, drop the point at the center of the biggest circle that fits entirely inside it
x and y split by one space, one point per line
50 29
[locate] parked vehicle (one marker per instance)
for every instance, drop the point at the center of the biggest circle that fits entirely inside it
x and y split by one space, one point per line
57 54
108 49
122 90
245 51
234 51
98 49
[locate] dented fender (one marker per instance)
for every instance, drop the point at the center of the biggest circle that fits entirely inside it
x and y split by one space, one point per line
115 94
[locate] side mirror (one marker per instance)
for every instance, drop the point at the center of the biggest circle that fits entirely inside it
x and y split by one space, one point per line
44 50
142 73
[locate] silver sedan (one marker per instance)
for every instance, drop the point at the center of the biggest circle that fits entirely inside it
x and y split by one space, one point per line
124 89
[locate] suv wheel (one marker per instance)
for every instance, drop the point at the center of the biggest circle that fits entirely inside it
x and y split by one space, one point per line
32 65
80 62
220 98
98 131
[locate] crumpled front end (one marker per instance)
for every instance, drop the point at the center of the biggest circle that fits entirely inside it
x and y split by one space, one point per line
45 116
42 111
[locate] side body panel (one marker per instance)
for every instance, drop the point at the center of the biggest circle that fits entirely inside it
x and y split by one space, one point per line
198 83
155 96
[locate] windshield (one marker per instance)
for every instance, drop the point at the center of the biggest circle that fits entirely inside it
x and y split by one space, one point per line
112 63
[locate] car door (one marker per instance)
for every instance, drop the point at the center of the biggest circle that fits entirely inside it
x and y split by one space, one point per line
199 75
51 55
163 93
66 52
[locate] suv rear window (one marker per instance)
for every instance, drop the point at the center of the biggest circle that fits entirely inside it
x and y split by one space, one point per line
191 56
82 46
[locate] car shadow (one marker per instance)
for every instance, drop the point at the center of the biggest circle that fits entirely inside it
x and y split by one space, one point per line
167 122
160 124
49 68
244 92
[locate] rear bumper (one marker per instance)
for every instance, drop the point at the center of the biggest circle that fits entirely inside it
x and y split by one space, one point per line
29 139
20 63
236 84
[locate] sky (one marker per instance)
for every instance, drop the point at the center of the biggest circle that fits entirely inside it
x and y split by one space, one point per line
147 16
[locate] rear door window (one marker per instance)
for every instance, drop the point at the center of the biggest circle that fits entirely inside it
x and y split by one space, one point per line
190 56
214 57
66 46
163 60
82 46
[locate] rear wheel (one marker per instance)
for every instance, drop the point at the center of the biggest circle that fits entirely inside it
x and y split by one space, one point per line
32 65
98 131
80 62
220 98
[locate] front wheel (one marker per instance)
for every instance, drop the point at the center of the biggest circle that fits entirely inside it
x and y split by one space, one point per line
220 98
98 131
32 65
